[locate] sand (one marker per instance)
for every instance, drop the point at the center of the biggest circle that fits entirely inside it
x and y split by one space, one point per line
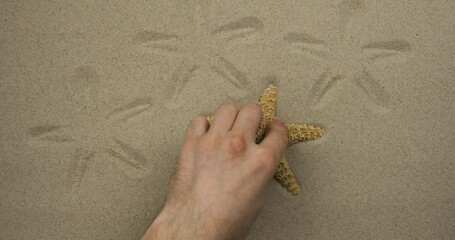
96 95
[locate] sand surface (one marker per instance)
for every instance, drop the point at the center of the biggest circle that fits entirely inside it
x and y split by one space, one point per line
95 97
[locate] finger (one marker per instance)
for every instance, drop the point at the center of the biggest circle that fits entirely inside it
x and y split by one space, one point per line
198 127
248 120
224 118
276 138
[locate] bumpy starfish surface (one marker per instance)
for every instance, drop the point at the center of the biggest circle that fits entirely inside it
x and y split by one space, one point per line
297 132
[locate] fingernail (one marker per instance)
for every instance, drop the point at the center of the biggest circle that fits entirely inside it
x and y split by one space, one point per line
278 120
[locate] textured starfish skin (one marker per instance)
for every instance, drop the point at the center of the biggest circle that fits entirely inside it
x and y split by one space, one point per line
300 132
296 133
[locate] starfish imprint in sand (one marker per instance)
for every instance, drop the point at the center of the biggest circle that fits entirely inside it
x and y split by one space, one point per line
91 132
348 58
205 47
297 132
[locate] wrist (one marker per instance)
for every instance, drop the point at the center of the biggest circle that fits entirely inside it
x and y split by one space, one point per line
182 225
161 228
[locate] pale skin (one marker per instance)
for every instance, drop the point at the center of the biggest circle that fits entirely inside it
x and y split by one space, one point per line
222 176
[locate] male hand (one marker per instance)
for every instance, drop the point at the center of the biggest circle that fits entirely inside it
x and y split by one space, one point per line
222 177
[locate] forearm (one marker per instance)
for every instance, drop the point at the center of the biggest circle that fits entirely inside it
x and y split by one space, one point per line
168 226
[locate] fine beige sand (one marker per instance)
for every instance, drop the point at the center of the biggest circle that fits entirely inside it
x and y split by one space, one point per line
96 95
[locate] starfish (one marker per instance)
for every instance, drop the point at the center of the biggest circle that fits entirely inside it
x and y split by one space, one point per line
297 132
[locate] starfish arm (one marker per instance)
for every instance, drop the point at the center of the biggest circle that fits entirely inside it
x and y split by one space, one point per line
130 110
181 78
306 44
134 160
373 89
209 119
303 132
239 30
323 86
79 166
50 133
267 102
229 72
159 42
348 11
286 177
395 50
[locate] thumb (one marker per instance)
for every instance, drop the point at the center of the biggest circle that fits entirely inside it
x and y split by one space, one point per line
276 138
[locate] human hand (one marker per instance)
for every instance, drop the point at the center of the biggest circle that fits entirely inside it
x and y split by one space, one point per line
222 176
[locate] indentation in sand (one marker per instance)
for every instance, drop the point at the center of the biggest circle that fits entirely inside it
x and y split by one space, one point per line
94 132
205 48
346 59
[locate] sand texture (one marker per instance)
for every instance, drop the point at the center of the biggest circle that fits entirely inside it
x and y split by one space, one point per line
95 97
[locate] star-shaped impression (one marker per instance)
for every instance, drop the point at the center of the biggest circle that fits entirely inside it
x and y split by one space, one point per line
94 131
206 47
297 132
347 58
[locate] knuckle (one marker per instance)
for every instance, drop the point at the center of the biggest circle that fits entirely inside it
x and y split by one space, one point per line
252 107
237 144
265 154
253 110
195 121
200 118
